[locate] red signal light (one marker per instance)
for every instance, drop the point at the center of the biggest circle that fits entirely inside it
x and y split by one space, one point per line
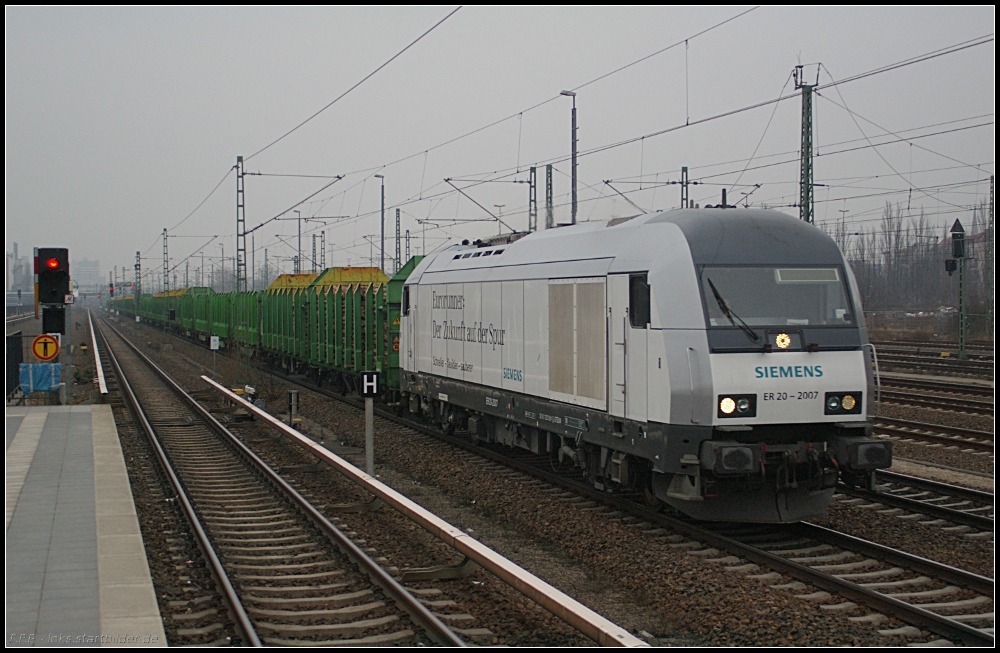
53 263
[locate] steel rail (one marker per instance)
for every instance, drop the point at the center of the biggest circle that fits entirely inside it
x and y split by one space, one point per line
11 319
950 440
924 426
222 578
102 385
411 605
975 354
939 624
942 403
947 573
949 345
908 613
598 628
917 506
936 486
973 389
957 365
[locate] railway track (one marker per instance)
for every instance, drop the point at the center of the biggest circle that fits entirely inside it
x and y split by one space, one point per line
930 350
974 346
952 603
966 389
958 404
955 509
289 575
926 594
937 433
974 368
979 353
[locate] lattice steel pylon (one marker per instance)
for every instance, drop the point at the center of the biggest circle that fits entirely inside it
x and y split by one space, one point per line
166 263
550 220
806 198
241 230
137 291
399 263
532 199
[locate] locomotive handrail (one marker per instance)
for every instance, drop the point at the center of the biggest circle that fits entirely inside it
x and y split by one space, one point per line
563 606
878 380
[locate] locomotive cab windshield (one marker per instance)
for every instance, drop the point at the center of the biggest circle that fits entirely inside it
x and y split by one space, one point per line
764 296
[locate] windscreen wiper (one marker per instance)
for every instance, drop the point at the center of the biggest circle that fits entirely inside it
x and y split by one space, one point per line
733 317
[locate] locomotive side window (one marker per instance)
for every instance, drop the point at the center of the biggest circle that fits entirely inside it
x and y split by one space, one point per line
638 301
406 300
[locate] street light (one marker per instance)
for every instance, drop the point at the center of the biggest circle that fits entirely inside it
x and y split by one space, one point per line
573 134
381 247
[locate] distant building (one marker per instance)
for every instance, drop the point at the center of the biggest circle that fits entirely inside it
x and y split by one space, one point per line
86 275
19 273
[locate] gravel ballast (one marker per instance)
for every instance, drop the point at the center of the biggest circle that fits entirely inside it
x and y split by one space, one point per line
634 578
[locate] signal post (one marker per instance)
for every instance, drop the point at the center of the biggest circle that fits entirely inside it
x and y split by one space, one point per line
369 390
52 293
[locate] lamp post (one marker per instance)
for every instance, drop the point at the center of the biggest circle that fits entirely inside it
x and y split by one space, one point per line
573 134
381 247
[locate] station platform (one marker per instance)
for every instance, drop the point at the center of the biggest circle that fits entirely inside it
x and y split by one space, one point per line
77 573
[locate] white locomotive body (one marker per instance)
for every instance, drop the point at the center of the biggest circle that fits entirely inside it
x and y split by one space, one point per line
712 358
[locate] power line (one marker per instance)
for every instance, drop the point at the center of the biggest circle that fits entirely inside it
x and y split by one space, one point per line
902 138
856 124
366 78
556 97
957 47
506 172
835 144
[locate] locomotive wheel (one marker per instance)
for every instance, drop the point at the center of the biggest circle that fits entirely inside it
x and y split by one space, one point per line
651 499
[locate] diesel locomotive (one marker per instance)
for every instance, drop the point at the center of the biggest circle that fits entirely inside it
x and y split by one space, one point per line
714 359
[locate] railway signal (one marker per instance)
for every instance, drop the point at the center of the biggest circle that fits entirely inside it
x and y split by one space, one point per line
52 270
958 263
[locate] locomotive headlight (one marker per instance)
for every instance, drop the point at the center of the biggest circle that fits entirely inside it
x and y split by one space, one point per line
842 403
783 340
737 406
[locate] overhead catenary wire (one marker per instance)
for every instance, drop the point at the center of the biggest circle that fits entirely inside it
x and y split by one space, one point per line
910 61
345 93
858 125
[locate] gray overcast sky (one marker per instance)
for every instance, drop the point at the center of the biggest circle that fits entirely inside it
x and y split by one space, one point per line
119 122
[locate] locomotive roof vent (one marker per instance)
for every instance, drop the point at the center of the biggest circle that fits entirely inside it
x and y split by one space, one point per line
502 239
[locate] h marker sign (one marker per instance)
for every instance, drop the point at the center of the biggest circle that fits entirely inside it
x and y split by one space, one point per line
370 384
369 390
